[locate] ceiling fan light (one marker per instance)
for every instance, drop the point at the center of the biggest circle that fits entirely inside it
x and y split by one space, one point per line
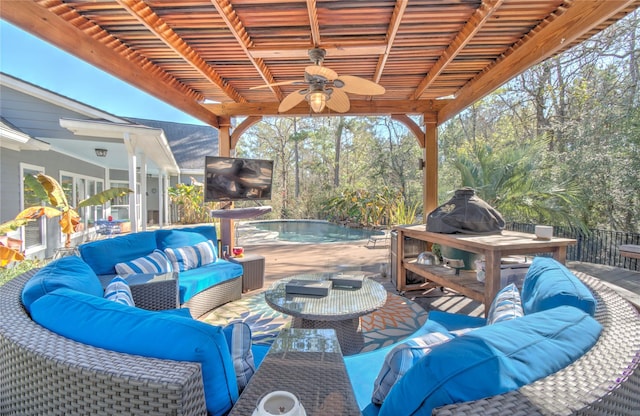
317 100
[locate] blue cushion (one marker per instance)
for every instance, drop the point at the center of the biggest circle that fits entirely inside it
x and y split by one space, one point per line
118 290
549 283
401 358
70 272
456 321
182 237
95 321
238 336
191 257
156 262
363 368
194 281
506 305
493 360
103 255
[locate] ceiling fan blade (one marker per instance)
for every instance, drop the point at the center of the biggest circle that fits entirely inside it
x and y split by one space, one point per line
275 84
291 100
339 101
322 71
361 86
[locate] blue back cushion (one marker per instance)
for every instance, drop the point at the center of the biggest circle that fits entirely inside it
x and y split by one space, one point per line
493 360
103 255
68 272
181 237
549 283
113 326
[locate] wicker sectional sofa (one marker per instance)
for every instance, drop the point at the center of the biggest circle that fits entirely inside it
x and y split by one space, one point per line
44 373
201 289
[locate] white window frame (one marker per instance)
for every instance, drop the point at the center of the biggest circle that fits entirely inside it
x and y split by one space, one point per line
43 225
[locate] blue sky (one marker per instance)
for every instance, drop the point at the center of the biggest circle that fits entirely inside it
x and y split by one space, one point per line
28 58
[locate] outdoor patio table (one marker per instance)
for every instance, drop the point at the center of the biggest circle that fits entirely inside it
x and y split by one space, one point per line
309 364
339 310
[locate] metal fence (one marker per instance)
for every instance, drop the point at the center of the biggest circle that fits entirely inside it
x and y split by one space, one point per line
594 246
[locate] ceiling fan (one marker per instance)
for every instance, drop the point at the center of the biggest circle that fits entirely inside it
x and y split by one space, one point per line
323 87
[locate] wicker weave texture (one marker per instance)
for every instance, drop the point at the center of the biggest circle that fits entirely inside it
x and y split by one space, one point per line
44 373
217 295
319 378
604 381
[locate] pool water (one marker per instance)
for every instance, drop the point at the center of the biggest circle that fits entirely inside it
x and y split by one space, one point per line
299 231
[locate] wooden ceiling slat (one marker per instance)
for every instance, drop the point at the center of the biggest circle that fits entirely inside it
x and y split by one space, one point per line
185 51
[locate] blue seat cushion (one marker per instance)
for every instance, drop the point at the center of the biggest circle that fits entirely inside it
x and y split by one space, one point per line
493 360
96 321
182 237
103 255
549 283
456 321
363 368
69 272
194 281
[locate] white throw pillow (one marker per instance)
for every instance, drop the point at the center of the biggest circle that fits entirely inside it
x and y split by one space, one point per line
156 262
191 257
401 358
118 290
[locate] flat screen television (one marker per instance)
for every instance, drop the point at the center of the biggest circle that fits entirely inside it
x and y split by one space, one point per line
237 179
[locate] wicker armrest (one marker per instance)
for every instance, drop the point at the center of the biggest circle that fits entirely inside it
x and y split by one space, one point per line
156 295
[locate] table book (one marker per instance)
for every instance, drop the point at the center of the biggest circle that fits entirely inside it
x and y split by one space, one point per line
308 287
348 280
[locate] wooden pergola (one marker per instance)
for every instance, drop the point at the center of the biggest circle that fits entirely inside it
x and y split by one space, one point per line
434 57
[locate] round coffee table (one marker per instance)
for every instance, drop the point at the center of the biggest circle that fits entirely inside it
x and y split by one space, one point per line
339 310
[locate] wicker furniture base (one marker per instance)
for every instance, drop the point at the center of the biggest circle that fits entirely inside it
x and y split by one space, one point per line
309 364
214 296
347 331
43 373
604 381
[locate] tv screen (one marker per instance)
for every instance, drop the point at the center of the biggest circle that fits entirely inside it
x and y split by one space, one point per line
237 179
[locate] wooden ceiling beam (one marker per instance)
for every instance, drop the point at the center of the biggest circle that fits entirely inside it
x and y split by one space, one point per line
466 34
392 31
225 9
550 37
159 28
334 50
98 48
358 108
312 9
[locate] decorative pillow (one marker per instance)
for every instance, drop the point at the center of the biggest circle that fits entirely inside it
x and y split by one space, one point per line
238 336
506 305
118 291
156 262
191 257
401 358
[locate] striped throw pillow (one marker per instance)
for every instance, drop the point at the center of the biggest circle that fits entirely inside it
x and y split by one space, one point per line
401 358
191 257
156 262
238 336
506 305
118 291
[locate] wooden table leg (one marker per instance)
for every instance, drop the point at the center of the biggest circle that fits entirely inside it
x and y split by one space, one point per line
492 278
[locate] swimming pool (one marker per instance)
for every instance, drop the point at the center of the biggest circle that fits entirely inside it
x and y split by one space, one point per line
304 231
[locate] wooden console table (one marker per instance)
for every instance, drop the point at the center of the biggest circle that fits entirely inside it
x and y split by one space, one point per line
493 247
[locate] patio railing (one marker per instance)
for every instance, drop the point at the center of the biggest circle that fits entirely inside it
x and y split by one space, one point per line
595 246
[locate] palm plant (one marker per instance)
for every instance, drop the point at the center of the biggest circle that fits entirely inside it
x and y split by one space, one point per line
512 180
46 188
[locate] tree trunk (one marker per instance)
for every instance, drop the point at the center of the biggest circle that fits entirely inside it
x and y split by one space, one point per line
336 167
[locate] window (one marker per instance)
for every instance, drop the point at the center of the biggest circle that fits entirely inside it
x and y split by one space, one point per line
33 234
120 205
77 188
